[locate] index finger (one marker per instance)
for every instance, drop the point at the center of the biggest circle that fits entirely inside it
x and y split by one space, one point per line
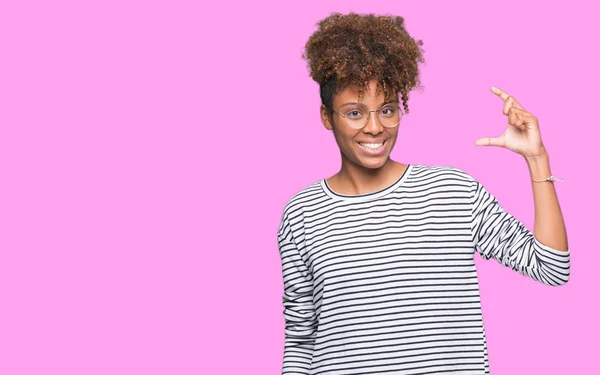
504 96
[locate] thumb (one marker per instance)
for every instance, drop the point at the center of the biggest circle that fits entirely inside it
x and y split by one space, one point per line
488 141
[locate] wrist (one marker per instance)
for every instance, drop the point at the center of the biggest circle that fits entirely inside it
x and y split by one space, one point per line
539 166
543 153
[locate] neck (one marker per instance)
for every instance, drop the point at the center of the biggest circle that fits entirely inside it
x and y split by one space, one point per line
357 179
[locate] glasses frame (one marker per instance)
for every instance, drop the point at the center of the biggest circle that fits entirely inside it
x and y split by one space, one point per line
369 117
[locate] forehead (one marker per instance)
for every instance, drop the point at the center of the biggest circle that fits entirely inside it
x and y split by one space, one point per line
352 94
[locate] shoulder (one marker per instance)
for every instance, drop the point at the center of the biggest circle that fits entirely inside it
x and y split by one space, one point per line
442 172
306 196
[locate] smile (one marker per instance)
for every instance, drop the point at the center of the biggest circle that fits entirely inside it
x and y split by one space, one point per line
372 148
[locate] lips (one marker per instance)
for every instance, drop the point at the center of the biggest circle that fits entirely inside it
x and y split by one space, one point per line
374 141
374 152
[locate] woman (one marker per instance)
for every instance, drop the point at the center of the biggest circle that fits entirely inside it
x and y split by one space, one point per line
378 259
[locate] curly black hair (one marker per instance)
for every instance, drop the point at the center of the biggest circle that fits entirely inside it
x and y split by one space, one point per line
350 50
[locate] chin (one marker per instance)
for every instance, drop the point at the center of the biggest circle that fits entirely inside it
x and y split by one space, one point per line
374 163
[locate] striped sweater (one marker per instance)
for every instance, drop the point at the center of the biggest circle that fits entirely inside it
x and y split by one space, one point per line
385 282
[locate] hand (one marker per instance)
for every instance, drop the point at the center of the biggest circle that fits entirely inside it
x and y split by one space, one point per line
523 132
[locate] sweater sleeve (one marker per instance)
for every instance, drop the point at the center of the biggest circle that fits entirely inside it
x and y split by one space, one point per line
299 310
498 234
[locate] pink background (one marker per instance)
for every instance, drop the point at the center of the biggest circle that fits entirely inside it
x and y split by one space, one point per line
147 150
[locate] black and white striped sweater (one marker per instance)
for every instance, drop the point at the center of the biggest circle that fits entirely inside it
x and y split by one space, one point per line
385 282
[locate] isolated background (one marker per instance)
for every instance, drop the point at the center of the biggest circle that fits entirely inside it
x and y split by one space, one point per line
147 149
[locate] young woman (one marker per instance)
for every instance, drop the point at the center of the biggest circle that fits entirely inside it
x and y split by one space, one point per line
378 259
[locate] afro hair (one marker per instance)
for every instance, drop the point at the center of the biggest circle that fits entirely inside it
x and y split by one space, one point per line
350 50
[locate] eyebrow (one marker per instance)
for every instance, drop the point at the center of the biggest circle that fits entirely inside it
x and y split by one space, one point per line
384 103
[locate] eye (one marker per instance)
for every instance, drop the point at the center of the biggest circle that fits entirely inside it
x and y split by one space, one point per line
354 113
389 110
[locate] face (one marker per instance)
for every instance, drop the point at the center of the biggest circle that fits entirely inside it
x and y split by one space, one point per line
349 139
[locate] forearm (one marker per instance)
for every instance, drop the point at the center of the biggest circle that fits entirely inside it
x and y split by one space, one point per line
549 226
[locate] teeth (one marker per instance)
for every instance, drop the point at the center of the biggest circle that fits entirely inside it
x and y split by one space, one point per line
371 145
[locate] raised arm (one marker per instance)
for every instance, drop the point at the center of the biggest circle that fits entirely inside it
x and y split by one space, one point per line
549 225
544 257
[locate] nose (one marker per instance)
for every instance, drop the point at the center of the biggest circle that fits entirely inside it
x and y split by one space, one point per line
373 125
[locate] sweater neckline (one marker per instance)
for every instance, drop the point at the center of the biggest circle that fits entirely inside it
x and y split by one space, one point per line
367 196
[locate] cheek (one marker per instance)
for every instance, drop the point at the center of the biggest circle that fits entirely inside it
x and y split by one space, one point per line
392 140
347 138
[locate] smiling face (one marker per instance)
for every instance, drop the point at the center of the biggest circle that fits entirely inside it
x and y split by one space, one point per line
349 140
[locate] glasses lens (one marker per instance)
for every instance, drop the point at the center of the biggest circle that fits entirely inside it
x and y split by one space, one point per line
389 116
356 117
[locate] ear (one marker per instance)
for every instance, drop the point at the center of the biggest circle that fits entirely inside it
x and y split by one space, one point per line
325 118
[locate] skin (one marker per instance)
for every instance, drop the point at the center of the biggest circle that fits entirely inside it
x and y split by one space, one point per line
523 136
361 173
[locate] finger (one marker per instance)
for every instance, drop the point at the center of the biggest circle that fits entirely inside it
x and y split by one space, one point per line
516 118
489 141
521 118
500 93
509 101
520 111
519 121
512 117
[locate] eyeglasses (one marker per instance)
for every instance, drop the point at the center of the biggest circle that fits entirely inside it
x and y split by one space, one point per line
359 115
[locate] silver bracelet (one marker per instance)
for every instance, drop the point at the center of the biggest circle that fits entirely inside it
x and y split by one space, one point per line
551 179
